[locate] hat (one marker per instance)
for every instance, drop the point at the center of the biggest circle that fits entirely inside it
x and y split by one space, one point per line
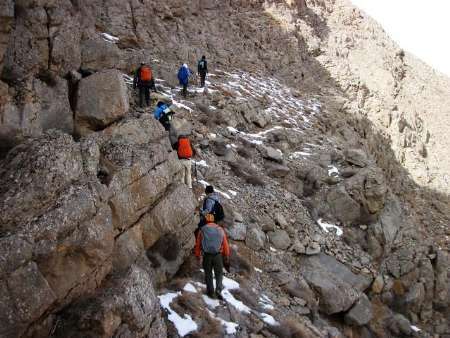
209 189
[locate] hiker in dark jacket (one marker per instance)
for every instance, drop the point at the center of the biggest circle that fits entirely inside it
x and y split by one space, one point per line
202 70
143 80
183 77
213 251
211 205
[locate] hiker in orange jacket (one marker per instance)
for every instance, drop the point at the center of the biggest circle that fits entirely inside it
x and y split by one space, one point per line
185 152
143 80
212 247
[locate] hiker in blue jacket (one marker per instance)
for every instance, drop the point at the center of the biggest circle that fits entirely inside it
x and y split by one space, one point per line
183 76
163 114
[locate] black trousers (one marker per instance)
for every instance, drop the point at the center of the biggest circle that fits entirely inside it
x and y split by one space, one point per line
144 93
202 79
213 262
184 90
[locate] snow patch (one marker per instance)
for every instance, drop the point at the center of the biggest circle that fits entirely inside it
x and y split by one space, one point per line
326 226
190 288
109 38
232 192
212 303
415 328
258 270
268 319
185 324
333 171
201 163
237 304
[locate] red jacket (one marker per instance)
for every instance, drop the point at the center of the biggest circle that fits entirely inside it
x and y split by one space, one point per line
224 249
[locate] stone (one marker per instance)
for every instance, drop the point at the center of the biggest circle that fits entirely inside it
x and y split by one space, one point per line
361 313
276 170
313 248
102 99
280 220
344 208
337 287
298 248
238 217
357 157
237 231
279 239
378 284
98 54
271 153
255 239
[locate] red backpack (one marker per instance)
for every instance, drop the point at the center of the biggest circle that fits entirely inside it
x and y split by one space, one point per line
145 73
184 148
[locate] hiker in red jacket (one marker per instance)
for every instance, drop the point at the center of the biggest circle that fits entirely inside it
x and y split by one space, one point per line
185 152
143 79
213 251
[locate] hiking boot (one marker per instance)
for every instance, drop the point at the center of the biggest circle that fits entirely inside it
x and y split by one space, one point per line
211 295
219 296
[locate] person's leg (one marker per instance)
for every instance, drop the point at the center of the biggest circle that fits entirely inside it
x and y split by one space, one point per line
184 93
218 272
147 96
183 162
189 173
208 268
202 79
141 96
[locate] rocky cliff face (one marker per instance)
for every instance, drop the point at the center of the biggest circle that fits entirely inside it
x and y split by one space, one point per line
315 123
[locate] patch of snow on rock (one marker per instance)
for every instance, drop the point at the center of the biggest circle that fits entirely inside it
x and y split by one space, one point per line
184 325
325 226
268 319
190 288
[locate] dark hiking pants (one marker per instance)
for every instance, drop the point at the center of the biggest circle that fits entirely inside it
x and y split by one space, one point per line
213 262
144 93
184 90
202 79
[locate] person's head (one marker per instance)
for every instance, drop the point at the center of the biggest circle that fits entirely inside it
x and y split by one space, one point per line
142 63
203 57
160 104
185 65
209 189
209 218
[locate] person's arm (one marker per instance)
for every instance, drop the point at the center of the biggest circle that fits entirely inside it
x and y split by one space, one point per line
136 78
198 245
208 206
225 249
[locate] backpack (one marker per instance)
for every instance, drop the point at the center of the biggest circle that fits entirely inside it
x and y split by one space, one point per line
145 74
201 65
218 212
183 74
212 239
184 148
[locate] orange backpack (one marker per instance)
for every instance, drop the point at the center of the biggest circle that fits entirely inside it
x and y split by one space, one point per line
184 148
146 74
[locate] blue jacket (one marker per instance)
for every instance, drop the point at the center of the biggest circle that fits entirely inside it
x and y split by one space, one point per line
208 203
183 75
159 111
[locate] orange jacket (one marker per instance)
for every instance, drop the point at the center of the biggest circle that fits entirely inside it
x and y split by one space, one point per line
224 249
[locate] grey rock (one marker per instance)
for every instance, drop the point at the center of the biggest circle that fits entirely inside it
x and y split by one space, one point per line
271 153
255 239
98 54
279 239
357 157
280 220
276 170
344 208
313 248
102 99
237 231
361 313
338 288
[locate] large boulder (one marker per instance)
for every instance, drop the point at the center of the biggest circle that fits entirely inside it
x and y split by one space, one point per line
337 286
361 313
356 157
102 99
127 306
98 54
271 153
279 239
343 206
255 238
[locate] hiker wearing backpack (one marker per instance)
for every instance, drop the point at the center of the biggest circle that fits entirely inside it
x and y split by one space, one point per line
143 80
183 76
184 151
211 205
202 69
213 252
163 114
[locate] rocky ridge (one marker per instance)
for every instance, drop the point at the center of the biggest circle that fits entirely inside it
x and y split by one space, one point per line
328 227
